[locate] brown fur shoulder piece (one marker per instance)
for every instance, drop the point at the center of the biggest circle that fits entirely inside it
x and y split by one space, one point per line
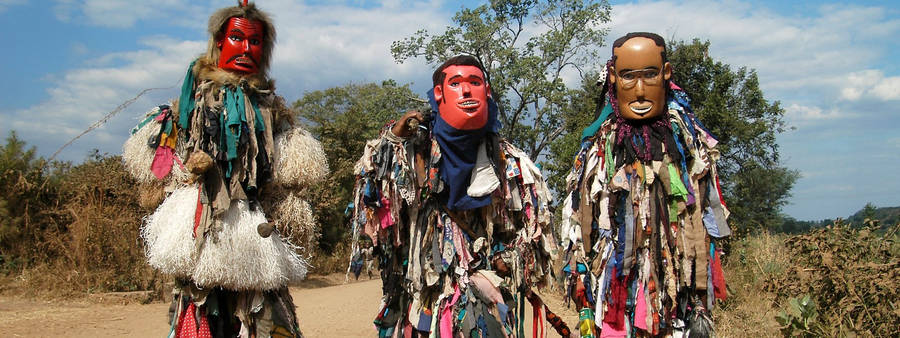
205 70
218 20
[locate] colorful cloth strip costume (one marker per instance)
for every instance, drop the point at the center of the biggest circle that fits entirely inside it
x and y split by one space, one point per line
459 217
228 155
644 207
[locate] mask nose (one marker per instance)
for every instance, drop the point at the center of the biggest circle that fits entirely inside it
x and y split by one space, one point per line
466 89
639 88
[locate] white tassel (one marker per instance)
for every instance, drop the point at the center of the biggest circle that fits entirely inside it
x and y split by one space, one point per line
299 159
168 233
296 221
238 258
137 155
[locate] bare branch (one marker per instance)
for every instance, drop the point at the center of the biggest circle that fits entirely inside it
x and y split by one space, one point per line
103 120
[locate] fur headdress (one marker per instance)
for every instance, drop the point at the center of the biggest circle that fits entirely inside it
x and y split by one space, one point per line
220 18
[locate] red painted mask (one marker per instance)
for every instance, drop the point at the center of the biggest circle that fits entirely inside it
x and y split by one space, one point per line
462 97
241 46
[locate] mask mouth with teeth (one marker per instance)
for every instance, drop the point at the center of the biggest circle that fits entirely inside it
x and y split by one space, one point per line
241 46
469 105
462 97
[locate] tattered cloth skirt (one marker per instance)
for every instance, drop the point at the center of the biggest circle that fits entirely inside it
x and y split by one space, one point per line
232 255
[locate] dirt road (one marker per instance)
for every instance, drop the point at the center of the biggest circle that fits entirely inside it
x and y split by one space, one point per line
324 310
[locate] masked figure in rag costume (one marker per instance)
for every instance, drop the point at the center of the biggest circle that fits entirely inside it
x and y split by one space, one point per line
459 217
644 208
227 154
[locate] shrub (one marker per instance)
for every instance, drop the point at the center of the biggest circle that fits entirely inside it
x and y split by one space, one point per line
851 274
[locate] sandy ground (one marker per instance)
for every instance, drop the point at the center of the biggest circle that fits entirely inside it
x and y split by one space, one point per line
325 306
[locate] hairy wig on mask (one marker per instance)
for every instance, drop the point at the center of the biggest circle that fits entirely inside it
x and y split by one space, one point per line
219 20
658 40
460 60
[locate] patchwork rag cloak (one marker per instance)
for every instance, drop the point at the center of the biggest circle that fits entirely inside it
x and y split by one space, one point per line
228 156
642 231
462 231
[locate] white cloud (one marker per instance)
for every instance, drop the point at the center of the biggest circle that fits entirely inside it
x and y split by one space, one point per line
125 13
894 143
800 113
318 47
324 46
888 88
870 84
78 48
808 56
4 4
83 96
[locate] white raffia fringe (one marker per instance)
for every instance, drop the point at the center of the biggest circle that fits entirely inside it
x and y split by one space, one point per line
238 258
168 233
296 221
299 159
138 157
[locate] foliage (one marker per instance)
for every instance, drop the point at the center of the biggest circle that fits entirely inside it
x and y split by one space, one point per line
875 215
563 150
23 200
755 182
527 46
335 262
343 119
868 215
852 274
67 228
800 321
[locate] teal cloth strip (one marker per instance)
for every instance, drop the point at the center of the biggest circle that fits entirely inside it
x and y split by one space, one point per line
144 122
260 123
233 122
604 114
186 102
234 117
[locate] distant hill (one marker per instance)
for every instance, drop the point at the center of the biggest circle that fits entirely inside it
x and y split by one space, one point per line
885 216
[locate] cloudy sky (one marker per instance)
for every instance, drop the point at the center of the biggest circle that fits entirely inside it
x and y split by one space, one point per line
835 68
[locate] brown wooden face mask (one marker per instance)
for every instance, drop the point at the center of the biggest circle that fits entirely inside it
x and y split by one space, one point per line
640 77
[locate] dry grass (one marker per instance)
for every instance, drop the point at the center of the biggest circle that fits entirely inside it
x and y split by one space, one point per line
323 264
749 311
86 239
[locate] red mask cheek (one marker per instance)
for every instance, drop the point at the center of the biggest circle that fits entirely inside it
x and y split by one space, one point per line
462 98
241 46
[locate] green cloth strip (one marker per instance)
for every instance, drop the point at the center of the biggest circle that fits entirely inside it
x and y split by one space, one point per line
604 115
260 123
186 102
145 121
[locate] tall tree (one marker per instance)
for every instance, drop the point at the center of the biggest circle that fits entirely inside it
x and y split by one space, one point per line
343 118
583 108
526 46
730 103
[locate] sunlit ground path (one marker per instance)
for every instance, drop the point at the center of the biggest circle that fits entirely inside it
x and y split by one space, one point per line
326 308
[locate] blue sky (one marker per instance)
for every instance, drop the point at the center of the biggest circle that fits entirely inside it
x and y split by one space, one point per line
834 66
